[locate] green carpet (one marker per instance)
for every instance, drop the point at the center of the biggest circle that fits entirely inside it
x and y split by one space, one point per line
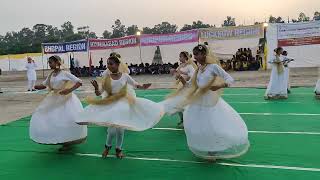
281 147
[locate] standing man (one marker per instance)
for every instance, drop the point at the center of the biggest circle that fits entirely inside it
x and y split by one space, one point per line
76 63
31 73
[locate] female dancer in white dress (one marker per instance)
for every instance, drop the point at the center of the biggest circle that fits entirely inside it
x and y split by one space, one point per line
317 89
213 128
31 74
53 122
183 75
119 108
278 85
286 62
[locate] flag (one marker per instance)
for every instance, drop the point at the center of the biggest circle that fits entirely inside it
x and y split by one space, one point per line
90 63
265 53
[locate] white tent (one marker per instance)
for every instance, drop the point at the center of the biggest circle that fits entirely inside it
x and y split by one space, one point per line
300 40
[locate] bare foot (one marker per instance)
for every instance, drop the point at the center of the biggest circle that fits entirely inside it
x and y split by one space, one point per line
283 97
180 125
213 160
65 148
119 153
105 153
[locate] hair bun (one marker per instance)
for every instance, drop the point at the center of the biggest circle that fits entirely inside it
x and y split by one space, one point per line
58 58
114 54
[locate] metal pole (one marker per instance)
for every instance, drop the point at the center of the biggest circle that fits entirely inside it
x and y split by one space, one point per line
264 48
139 35
42 61
9 62
47 62
140 52
69 61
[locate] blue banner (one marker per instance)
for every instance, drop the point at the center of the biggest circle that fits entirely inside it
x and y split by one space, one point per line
75 46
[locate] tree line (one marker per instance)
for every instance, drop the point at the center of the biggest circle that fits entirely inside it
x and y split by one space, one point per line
28 40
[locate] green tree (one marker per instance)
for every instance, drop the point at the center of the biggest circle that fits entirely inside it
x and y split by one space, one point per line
230 21
12 42
40 31
303 18
164 28
2 45
106 34
195 25
73 37
53 34
272 19
147 30
67 29
85 32
25 40
118 30
92 35
186 27
132 30
316 16
275 19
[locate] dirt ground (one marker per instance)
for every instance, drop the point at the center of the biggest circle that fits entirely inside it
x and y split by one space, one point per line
16 102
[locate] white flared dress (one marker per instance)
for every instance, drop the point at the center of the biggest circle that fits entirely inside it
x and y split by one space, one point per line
31 71
53 122
278 84
141 115
172 104
287 75
287 71
214 130
317 88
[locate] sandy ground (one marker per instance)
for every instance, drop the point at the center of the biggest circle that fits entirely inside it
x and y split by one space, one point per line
16 103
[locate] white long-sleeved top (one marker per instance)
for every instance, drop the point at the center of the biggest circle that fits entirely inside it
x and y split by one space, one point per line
213 70
31 71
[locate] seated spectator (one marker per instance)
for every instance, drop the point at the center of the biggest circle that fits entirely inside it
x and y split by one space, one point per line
134 69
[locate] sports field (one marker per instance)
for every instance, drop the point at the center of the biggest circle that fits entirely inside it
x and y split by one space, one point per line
284 137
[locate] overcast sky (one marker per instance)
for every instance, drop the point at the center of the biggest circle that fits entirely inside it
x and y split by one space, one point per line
100 14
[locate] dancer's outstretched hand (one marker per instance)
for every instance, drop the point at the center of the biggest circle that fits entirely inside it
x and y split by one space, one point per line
65 92
40 87
94 84
144 86
215 88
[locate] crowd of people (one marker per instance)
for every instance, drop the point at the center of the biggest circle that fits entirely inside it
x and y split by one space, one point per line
147 68
84 71
243 60
135 69
87 71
